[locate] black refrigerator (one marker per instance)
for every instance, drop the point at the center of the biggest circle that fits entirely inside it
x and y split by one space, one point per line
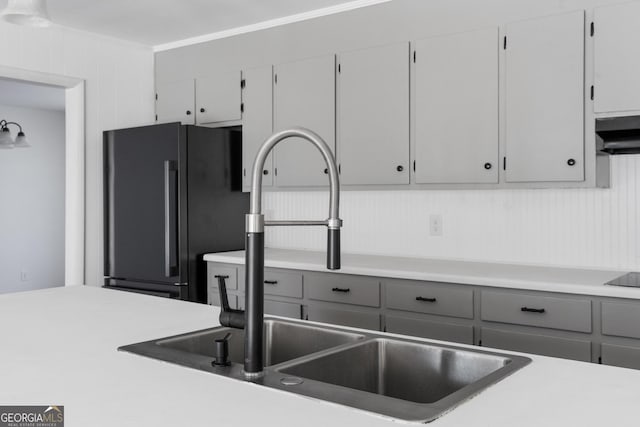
172 193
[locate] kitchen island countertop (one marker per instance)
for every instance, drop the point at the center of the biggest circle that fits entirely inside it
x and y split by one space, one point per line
59 347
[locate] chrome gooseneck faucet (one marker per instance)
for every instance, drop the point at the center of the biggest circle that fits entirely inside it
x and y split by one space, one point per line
253 317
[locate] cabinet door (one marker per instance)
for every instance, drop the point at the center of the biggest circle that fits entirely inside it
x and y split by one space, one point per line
544 66
257 121
304 94
373 115
616 41
175 102
218 97
336 316
456 108
567 348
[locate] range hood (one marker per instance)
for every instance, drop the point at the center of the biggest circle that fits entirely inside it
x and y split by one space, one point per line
618 135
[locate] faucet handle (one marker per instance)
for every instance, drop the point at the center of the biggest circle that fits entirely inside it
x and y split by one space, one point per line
228 316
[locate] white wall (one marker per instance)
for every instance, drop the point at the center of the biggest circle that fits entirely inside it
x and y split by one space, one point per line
588 227
119 93
32 197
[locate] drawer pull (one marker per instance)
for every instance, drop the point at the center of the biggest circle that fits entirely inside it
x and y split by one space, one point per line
425 299
271 282
345 290
532 310
219 276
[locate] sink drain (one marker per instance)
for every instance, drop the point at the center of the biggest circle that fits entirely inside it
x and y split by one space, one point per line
291 381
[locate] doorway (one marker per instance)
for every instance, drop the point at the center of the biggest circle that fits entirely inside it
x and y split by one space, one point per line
61 201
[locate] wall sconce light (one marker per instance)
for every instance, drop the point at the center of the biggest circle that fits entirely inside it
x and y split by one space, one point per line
7 141
31 13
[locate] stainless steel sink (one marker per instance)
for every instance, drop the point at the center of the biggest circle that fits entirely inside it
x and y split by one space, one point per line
283 341
401 378
403 370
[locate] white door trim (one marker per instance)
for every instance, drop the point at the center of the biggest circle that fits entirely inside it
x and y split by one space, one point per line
74 238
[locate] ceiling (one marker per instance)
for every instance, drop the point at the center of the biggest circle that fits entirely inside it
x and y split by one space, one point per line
18 93
156 22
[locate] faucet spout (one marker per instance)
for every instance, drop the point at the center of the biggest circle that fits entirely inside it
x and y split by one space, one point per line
254 249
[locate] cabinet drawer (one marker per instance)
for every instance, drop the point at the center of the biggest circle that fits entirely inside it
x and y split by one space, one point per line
229 273
284 309
357 290
431 298
356 319
567 348
214 299
621 319
287 283
547 312
429 329
283 283
623 356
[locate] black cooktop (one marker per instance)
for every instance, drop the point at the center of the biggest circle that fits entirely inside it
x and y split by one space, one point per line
631 280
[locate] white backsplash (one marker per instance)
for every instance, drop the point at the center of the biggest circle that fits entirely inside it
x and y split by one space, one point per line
594 228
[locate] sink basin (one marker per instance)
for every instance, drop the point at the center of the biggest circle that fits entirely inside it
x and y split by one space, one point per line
283 341
402 370
401 378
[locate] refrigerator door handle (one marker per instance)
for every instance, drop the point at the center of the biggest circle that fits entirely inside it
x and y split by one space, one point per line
170 219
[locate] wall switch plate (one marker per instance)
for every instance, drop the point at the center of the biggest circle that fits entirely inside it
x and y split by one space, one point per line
435 225
24 276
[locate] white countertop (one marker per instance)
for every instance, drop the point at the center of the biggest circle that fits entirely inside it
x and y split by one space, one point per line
59 347
554 279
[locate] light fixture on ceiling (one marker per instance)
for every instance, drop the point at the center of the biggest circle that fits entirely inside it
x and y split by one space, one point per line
7 141
31 13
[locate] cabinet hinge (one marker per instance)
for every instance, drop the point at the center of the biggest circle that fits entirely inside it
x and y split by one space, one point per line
242 107
592 92
593 28
504 43
504 163
275 78
242 84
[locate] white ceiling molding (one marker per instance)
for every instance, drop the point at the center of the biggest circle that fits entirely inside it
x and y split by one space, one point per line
268 24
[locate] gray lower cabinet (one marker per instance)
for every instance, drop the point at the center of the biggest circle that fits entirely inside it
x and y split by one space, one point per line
345 317
438 330
571 314
431 298
620 355
567 348
578 327
342 288
621 319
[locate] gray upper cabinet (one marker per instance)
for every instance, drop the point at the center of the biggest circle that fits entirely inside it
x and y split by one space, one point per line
544 99
616 41
304 96
175 102
218 97
456 108
373 115
257 121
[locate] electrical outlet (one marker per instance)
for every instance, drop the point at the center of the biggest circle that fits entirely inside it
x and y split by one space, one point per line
435 225
24 276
